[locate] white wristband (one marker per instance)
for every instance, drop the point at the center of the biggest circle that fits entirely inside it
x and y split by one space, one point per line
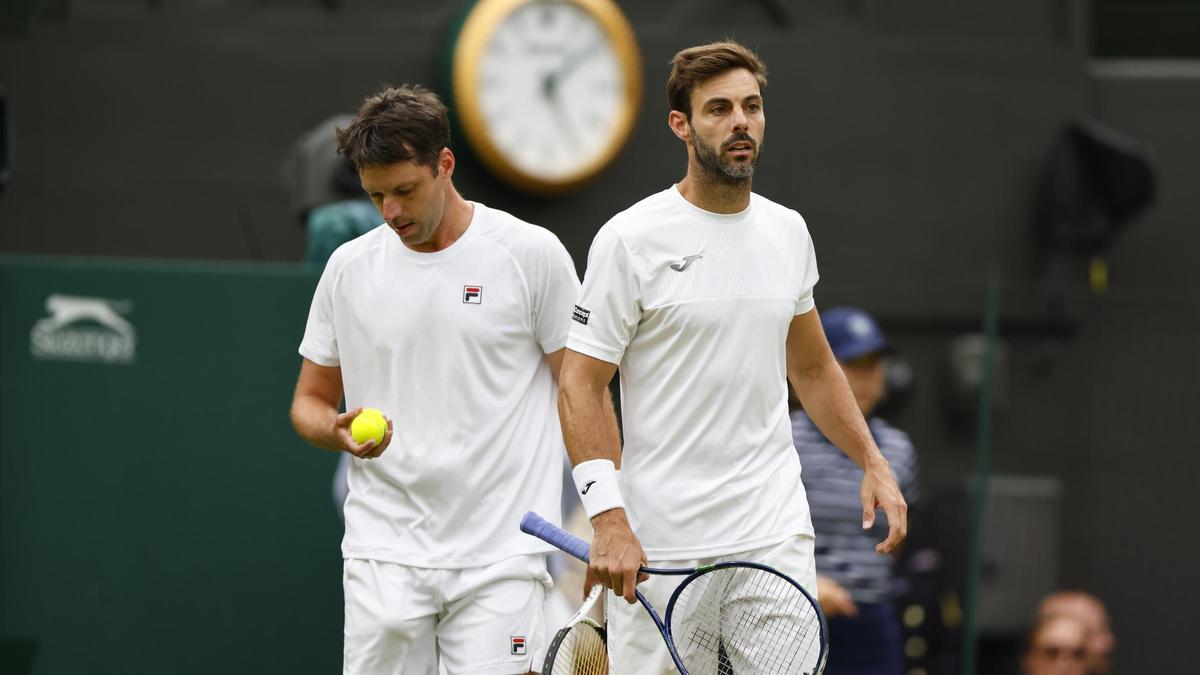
596 485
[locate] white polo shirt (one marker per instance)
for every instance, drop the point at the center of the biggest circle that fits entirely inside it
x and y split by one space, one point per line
694 307
451 346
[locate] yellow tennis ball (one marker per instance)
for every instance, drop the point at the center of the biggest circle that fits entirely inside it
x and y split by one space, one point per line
369 425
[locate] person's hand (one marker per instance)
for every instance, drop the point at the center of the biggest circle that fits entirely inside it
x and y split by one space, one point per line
368 450
589 580
880 491
835 600
616 554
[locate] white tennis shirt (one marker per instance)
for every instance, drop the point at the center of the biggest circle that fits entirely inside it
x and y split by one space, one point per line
694 307
451 346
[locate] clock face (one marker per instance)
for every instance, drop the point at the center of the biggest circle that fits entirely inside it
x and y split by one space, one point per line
547 90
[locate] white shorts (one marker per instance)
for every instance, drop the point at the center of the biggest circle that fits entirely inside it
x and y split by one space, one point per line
634 643
477 620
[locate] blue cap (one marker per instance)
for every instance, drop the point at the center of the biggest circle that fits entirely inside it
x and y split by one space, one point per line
852 333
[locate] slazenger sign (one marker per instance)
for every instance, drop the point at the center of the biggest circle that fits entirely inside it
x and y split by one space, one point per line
84 329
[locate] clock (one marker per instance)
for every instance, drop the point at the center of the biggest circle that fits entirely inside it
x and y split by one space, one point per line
546 91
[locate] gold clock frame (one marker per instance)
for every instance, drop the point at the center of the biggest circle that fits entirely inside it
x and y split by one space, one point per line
482 20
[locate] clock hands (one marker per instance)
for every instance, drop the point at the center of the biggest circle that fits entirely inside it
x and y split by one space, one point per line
552 79
564 120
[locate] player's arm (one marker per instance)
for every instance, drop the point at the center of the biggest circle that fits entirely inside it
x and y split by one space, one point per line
555 361
315 413
822 389
590 430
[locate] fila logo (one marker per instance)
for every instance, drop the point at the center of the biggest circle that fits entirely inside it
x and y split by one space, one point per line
687 262
517 645
581 315
472 295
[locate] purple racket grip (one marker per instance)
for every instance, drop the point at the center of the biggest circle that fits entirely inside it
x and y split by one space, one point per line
550 533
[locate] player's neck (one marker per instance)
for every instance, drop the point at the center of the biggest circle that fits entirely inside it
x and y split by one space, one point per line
455 220
714 194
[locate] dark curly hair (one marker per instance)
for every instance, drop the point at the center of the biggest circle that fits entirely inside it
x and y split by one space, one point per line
398 124
694 65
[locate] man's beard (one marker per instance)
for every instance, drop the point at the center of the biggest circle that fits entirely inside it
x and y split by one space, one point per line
727 171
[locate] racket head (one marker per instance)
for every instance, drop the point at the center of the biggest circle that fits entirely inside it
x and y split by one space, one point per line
746 617
580 647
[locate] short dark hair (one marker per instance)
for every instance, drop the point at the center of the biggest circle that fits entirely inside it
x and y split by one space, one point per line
398 124
694 65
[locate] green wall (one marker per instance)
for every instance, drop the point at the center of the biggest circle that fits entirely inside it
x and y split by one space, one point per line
160 515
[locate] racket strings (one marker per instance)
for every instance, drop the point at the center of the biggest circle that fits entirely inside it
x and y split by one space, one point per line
579 650
745 620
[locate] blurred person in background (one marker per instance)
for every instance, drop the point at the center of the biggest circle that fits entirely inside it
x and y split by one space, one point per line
1057 645
854 584
1088 609
351 215
328 226
451 319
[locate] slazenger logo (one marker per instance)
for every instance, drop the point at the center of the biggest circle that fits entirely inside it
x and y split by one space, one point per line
84 329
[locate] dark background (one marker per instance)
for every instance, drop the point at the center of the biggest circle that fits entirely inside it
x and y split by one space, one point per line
909 134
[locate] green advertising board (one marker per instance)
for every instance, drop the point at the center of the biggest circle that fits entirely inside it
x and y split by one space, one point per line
157 512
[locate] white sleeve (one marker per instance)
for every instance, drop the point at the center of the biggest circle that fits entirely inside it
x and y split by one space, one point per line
320 339
610 305
555 288
807 254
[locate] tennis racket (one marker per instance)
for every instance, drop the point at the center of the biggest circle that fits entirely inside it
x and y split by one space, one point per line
580 647
729 618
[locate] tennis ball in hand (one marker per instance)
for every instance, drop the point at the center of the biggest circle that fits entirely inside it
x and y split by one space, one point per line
369 425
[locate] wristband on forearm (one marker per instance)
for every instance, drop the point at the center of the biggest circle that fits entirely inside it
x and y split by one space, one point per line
596 485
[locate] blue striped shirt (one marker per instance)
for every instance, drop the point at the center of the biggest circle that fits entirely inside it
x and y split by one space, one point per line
844 551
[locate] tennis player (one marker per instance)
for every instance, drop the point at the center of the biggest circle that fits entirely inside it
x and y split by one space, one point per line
451 318
702 294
